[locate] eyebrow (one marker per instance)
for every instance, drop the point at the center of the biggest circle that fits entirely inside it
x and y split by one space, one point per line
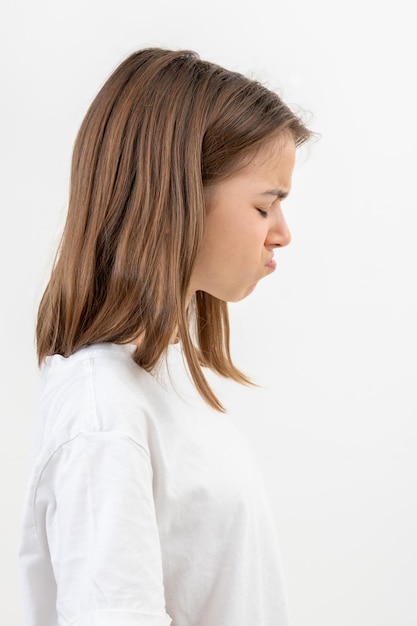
278 193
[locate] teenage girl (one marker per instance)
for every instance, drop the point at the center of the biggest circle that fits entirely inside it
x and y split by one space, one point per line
145 505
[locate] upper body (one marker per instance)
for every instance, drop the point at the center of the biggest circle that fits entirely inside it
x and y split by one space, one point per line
145 505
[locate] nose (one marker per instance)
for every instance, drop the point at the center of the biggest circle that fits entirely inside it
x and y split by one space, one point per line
279 234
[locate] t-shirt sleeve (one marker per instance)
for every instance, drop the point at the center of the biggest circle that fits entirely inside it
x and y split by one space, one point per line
95 513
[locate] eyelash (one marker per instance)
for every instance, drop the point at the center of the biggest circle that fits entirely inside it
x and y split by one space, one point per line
263 213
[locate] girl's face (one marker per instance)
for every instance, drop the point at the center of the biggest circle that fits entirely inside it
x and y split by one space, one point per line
245 224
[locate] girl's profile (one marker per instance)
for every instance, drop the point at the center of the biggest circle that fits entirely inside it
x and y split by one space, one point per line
145 505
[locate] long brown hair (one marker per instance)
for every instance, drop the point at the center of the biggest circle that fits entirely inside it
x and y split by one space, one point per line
164 125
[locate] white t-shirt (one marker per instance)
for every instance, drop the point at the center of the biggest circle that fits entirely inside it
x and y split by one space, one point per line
145 507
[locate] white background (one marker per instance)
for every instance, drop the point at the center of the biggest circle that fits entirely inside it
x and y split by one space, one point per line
331 335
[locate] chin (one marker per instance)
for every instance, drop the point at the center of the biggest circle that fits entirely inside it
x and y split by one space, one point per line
242 295
232 296
250 290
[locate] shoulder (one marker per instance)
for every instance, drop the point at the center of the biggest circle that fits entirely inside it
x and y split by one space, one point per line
98 389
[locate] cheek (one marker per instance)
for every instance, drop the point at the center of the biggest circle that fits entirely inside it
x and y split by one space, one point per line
220 235
234 235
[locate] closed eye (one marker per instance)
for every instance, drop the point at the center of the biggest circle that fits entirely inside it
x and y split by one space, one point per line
262 212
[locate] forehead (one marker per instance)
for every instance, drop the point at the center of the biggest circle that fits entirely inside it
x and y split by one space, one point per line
269 168
274 152
272 164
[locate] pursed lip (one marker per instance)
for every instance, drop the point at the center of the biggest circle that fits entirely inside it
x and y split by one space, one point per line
272 264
